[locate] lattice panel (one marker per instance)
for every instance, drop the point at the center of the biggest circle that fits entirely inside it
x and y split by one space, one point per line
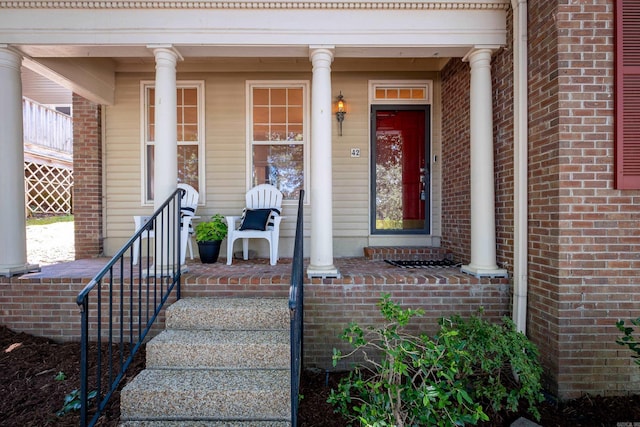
48 189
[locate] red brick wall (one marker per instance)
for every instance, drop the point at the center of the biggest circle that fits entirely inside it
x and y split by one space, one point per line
329 308
87 174
456 198
543 187
502 82
583 235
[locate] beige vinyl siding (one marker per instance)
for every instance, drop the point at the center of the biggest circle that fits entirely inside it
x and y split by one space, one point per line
225 155
122 198
351 174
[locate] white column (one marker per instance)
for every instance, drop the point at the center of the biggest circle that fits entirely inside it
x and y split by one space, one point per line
13 233
166 161
321 256
165 176
483 221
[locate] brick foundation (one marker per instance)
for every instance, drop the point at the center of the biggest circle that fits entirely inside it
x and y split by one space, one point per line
47 307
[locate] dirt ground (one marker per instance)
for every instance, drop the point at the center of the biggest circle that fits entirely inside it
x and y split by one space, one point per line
31 395
50 243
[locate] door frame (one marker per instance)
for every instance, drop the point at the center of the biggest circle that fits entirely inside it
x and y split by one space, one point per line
372 178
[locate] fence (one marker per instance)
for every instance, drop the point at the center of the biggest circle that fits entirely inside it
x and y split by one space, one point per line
48 168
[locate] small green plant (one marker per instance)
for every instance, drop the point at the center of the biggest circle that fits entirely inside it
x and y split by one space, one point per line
209 231
72 402
446 380
60 376
628 340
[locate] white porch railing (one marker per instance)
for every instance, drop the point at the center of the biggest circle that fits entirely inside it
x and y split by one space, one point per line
46 127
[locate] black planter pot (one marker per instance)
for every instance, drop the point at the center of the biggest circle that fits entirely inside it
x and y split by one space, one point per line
209 251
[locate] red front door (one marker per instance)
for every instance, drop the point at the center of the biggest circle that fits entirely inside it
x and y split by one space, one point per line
400 175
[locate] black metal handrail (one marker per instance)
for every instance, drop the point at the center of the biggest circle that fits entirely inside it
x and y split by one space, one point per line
121 303
296 310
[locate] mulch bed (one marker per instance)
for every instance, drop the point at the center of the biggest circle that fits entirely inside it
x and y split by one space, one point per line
31 395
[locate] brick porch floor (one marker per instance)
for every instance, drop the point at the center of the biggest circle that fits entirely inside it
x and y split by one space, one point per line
356 270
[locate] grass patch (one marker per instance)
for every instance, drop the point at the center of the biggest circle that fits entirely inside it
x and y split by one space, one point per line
49 220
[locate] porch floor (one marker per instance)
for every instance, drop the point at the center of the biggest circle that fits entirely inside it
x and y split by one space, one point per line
353 270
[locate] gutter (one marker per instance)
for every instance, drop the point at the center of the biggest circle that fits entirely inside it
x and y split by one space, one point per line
520 160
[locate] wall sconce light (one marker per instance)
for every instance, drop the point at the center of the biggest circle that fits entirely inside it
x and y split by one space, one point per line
341 111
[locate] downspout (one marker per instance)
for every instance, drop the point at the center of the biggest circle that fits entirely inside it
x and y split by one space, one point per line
520 161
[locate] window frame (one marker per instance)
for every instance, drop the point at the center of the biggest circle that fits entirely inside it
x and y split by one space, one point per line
306 124
199 85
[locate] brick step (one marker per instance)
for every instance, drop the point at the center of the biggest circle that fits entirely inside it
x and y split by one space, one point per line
396 253
207 395
219 349
229 314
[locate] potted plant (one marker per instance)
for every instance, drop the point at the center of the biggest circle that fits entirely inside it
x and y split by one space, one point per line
209 235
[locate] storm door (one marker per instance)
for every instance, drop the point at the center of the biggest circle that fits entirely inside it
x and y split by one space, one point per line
400 173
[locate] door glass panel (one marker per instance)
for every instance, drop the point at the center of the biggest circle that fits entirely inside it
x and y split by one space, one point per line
401 191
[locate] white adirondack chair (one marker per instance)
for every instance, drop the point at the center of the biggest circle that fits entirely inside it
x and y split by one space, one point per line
189 204
260 220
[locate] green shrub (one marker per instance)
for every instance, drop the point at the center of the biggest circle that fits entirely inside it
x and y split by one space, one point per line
440 381
504 368
416 382
628 339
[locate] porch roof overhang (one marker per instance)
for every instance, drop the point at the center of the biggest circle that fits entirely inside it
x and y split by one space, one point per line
82 44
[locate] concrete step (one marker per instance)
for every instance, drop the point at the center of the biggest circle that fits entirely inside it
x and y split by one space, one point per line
207 395
220 349
229 314
219 362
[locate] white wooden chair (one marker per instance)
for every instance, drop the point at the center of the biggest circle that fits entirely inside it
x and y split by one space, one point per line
188 207
260 220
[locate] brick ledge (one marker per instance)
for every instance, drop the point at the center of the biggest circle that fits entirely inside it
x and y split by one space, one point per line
404 253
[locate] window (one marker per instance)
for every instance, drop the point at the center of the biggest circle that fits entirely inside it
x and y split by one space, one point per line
627 163
407 92
278 135
189 134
